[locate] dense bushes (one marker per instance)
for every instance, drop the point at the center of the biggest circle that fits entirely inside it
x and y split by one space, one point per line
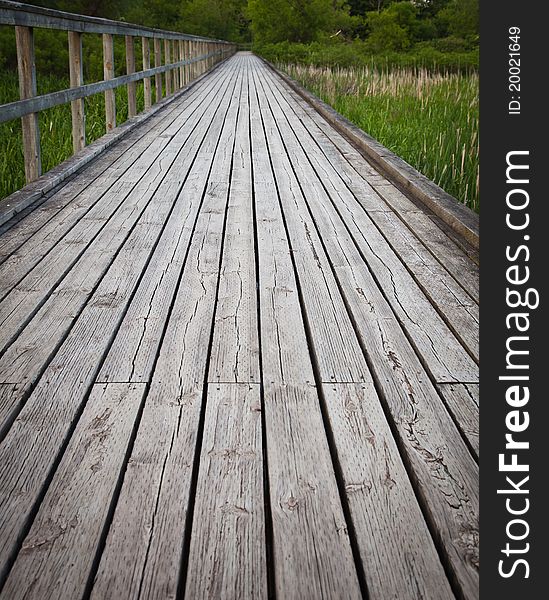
358 53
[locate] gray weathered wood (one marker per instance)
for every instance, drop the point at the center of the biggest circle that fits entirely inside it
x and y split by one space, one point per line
130 68
157 63
146 50
442 464
213 256
227 555
373 472
444 355
167 62
88 188
143 553
57 555
132 355
453 258
462 400
108 73
181 54
75 363
24 39
76 72
311 547
235 347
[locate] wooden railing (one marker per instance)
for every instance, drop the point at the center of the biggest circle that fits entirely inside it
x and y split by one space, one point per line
186 57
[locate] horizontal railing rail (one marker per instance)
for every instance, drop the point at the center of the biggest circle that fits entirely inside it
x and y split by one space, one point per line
179 57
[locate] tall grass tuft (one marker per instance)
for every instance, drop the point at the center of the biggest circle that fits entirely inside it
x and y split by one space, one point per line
55 128
429 118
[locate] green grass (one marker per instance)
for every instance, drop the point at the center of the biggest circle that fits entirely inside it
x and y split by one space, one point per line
430 119
55 128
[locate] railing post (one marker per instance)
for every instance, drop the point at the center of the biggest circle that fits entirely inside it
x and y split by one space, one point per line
182 80
167 61
27 89
175 72
146 65
76 74
158 63
130 68
108 71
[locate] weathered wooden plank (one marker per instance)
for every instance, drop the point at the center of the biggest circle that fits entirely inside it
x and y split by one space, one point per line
454 259
227 555
24 39
130 68
444 472
134 350
146 52
167 62
76 75
462 400
137 184
455 306
143 554
373 473
108 73
181 54
50 323
113 163
158 63
30 453
443 354
57 555
396 548
8 391
311 546
235 347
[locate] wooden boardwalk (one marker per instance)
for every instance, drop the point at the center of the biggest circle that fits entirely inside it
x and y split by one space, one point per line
236 362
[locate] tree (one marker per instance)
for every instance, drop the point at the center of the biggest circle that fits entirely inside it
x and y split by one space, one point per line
460 18
293 20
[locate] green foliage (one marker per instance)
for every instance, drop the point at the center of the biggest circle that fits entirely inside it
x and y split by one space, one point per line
222 19
293 20
358 54
460 18
429 119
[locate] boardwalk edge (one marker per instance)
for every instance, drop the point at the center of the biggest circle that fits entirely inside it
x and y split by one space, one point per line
456 215
12 205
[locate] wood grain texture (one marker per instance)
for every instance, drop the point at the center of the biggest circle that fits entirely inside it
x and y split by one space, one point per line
29 449
373 472
74 510
74 200
132 355
130 68
227 556
142 555
447 476
235 347
462 400
146 53
76 75
443 354
100 231
217 378
24 39
108 73
312 552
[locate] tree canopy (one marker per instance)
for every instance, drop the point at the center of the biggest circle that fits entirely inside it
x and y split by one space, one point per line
378 25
